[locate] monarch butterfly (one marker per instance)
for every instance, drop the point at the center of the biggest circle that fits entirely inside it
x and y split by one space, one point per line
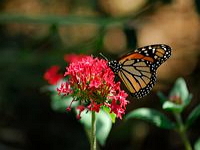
137 70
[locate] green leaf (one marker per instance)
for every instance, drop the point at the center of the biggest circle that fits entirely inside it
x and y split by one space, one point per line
59 103
85 118
170 106
104 124
193 116
188 100
112 115
197 145
153 116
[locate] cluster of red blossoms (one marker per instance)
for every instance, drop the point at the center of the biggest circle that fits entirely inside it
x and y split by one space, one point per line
91 82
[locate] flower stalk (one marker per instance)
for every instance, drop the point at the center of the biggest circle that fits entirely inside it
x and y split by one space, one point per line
93 143
90 82
182 132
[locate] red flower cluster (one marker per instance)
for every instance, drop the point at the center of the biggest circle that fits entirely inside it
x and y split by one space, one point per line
91 82
52 75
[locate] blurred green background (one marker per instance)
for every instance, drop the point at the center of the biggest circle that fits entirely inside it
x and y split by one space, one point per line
35 34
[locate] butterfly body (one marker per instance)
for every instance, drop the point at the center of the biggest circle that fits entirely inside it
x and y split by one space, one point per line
137 70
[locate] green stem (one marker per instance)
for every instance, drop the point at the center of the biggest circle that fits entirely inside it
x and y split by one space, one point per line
93 132
182 132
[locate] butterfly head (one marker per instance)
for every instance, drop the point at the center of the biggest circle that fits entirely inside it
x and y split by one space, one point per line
115 66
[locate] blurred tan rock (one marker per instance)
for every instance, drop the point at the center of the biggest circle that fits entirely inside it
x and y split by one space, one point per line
119 8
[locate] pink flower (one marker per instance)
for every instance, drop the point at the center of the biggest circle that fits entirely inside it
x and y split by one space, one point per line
91 83
64 88
52 75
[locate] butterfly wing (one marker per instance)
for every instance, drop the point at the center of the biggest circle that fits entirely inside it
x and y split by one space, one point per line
138 76
157 54
138 69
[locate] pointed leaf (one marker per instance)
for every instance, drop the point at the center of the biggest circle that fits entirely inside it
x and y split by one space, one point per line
170 106
112 115
162 97
104 125
197 145
153 116
188 100
193 116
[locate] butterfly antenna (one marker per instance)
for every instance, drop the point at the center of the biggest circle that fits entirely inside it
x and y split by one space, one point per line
103 56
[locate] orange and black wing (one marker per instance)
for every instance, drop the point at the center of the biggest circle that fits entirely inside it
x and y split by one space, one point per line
157 54
137 70
138 76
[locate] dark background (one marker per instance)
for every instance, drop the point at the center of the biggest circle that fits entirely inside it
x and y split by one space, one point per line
29 45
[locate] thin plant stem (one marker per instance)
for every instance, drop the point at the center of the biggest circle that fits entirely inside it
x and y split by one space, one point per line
93 132
182 131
